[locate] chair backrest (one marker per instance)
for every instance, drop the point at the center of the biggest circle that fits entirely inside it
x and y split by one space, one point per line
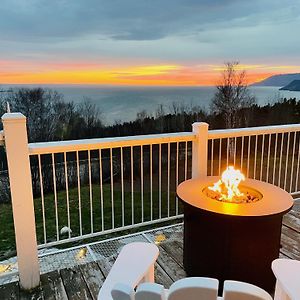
122 292
145 291
194 288
150 291
236 290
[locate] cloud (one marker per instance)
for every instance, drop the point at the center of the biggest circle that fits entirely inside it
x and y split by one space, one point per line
156 32
34 20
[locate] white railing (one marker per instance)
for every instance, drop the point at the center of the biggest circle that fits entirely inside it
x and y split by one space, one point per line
100 186
270 153
117 184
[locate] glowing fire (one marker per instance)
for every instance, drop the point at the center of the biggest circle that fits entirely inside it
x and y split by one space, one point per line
228 185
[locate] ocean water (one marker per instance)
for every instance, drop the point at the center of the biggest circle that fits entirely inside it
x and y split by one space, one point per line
119 104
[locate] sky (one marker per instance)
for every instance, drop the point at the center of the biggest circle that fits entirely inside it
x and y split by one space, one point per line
145 42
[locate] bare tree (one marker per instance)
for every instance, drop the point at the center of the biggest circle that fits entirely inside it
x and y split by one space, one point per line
2 105
46 111
90 113
177 108
88 121
159 115
142 115
232 95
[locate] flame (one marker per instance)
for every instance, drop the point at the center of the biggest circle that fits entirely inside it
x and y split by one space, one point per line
228 185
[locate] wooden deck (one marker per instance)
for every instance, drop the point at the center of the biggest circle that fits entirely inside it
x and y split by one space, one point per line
84 280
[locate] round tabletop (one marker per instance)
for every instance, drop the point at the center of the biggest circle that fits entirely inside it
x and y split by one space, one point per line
274 199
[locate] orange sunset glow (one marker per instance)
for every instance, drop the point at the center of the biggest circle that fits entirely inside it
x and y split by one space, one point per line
155 74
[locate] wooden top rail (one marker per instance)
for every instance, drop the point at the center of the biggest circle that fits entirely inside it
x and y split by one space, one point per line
249 131
104 143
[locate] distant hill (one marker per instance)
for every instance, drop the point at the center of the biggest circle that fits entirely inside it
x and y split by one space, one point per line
278 80
292 86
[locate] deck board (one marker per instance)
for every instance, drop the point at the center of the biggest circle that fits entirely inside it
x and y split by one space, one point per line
52 286
161 277
10 291
290 241
36 294
93 278
74 284
84 281
106 264
169 265
175 250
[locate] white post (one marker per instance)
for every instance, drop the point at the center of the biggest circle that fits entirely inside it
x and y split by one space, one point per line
16 144
199 160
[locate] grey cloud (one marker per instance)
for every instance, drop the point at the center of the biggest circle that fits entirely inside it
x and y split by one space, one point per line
125 19
158 30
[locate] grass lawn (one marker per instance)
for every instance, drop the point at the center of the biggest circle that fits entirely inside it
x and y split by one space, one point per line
7 237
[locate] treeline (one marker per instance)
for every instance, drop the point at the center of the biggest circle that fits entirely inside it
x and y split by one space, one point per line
283 111
50 117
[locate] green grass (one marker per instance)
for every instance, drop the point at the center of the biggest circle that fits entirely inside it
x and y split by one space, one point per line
7 236
7 232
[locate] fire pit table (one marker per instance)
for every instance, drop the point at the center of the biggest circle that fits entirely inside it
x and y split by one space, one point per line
236 241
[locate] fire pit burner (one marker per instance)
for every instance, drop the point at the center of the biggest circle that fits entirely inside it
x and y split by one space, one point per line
249 195
228 240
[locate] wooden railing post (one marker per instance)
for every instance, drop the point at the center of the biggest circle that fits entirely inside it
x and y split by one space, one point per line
16 144
199 160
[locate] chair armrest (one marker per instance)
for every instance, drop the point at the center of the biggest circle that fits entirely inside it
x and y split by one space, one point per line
134 264
287 272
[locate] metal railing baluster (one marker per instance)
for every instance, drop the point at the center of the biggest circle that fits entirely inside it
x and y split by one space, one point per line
67 193
42 198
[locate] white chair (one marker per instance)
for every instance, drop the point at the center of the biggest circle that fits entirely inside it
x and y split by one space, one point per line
194 288
287 273
135 264
135 267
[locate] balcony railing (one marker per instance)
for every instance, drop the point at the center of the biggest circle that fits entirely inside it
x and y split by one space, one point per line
119 183
71 190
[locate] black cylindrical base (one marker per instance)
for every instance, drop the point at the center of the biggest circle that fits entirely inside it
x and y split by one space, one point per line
230 247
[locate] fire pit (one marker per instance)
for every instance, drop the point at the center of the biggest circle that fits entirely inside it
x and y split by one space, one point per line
236 238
